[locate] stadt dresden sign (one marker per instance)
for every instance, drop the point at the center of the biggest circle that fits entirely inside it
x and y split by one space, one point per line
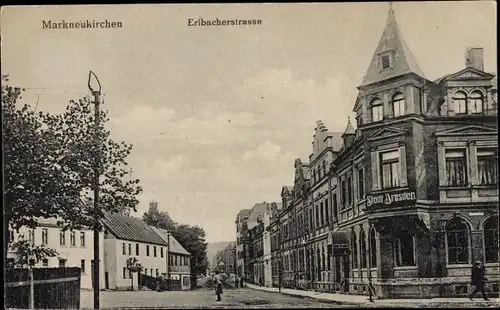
389 199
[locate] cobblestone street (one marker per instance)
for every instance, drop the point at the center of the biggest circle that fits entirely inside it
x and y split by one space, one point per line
202 298
247 298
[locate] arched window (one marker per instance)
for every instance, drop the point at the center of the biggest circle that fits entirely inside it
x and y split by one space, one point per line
377 110
460 103
373 249
457 241
362 240
404 249
476 102
490 235
398 104
354 250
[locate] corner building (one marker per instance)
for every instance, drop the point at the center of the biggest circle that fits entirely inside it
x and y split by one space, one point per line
416 182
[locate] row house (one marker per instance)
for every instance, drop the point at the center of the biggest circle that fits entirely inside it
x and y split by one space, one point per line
408 199
256 258
126 237
240 222
246 221
123 237
178 262
417 187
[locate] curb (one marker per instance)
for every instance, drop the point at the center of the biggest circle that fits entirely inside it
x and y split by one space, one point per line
377 302
338 302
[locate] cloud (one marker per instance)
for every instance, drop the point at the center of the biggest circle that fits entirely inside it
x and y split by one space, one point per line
268 151
147 124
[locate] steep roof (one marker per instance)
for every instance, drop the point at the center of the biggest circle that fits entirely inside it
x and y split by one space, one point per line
174 245
132 229
403 60
349 130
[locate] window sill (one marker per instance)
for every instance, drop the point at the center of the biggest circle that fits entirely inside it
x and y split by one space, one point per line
373 269
458 266
493 264
454 187
405 267
485 186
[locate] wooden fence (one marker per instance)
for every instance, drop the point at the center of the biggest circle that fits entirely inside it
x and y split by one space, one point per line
54 288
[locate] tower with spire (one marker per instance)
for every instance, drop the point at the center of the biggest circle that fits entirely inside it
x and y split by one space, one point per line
392 75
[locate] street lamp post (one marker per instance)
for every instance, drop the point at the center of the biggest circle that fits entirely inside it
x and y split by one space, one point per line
96 92
168 261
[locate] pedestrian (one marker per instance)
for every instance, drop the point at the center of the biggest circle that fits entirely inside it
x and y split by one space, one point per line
477 280
159 283
218 285
241 281
371 289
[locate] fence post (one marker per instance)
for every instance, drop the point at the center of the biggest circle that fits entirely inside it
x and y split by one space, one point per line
32 288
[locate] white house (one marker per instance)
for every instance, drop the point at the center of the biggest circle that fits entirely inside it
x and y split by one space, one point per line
74 248
126 237
178 261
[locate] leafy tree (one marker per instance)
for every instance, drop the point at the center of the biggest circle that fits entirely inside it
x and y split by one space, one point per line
29 254
32 184
159 219
49 162
81 148
192 238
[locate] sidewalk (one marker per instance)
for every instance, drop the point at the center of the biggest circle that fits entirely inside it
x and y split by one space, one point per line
363 299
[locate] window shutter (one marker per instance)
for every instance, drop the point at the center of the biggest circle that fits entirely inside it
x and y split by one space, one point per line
402 160
375 171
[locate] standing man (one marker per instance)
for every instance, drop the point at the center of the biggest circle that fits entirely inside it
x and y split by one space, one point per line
477 280
218 285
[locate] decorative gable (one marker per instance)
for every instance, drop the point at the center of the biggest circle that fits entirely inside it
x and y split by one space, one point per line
386 132
471 130
469 74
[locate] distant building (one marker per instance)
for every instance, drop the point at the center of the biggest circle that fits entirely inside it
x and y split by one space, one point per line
251 249
241 224
75 248
178 262
126 237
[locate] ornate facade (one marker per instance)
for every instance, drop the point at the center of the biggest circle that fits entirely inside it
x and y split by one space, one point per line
408 200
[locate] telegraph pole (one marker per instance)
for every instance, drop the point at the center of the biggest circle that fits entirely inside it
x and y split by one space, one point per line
168 260
97 100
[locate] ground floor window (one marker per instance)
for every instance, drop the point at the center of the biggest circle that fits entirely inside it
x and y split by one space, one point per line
457 242
491 240
404 250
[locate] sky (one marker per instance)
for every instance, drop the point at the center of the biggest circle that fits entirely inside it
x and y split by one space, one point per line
217 115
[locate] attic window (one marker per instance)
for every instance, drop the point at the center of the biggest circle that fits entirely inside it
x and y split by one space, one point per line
386 63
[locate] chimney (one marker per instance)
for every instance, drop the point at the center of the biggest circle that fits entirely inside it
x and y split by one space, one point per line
474 58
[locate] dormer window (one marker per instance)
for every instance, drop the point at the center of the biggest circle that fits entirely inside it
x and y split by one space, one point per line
386 62
476 102
398 105
377 110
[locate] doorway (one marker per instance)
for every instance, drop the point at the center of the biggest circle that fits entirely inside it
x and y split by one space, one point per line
347 272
